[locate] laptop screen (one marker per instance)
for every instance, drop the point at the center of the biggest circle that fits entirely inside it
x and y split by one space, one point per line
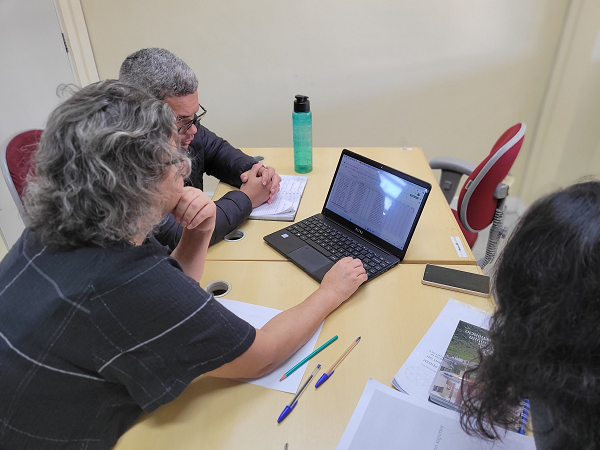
377 199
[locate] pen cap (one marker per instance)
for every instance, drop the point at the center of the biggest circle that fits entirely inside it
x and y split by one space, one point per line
323 379
301 104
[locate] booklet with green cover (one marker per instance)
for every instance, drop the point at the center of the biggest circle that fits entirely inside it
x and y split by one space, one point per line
462 354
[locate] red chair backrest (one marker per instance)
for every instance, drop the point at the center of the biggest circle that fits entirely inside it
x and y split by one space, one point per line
476 202
19 157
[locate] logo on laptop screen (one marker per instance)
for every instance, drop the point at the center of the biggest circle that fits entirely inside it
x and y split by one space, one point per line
359 230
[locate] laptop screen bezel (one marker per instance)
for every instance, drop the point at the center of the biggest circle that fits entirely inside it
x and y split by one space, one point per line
364 233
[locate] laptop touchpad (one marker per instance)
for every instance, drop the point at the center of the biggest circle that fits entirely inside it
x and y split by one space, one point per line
309 258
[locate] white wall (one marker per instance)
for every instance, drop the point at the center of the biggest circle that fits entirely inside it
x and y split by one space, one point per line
34 63
446 76
567 139
449 77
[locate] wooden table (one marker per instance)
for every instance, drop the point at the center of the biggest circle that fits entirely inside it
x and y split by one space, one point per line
391 314
430 243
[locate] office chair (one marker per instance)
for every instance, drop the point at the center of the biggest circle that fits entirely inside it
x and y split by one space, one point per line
482 197
16 162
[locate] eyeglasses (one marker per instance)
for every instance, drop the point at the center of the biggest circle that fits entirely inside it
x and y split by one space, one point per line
181 162
195 121
182 166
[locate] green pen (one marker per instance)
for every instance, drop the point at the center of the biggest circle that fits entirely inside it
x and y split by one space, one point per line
293 369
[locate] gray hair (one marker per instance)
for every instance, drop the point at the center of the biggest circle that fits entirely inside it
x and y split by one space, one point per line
159 72
99 167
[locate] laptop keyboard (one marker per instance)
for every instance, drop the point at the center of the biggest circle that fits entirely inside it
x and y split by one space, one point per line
335 245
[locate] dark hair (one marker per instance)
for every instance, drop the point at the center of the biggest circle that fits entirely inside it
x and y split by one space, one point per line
99 166
545 333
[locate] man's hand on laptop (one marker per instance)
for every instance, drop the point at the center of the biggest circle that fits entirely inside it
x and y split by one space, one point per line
257 192
344 278
268 176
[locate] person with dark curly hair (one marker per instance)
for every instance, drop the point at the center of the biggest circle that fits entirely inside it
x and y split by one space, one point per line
545 333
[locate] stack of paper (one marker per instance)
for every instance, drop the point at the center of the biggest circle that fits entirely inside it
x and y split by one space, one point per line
386 419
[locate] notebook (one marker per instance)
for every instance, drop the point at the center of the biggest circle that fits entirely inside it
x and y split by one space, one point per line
286 201
371 212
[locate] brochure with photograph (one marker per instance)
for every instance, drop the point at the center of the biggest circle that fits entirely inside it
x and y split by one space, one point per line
462 354
417 373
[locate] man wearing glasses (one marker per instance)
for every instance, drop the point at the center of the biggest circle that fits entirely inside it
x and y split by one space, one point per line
169 78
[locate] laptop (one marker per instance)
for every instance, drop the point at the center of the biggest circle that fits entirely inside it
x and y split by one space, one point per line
371 212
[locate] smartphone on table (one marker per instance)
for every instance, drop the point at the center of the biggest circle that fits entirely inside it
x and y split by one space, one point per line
456 280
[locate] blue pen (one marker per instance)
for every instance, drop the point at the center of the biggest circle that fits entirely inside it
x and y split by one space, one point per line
524 416
288 408
327 374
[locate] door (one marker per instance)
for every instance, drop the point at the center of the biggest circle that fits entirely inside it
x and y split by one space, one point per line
33 63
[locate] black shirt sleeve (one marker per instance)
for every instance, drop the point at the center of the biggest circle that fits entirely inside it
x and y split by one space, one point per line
162 330
232 209
217 157
221 159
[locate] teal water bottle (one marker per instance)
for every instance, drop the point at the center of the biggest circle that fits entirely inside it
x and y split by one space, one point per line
302 124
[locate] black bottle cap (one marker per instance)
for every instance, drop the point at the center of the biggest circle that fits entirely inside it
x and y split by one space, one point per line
301 104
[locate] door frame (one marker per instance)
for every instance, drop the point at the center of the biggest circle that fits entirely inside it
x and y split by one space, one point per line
77 40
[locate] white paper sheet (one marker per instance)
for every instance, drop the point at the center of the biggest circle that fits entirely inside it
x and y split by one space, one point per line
258 316
387 419
417 373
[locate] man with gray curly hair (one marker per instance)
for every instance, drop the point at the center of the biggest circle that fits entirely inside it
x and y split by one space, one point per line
98 323
169 78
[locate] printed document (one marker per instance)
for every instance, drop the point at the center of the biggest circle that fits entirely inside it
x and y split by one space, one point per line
387 419
258 316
